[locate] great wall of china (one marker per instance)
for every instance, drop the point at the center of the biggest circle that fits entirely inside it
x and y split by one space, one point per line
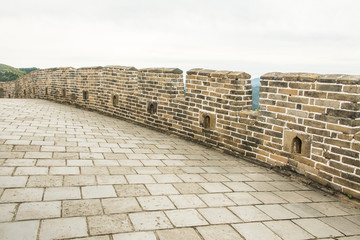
309 123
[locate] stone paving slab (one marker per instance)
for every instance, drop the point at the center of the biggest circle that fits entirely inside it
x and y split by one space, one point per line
68 173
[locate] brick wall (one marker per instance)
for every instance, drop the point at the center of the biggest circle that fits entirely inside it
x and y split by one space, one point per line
323 112
309 123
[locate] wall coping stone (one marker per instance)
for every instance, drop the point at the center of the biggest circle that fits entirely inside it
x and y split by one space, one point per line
313 77
215 73
162 70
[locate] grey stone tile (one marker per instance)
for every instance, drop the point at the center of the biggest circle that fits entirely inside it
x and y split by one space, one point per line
94 171
292 197
120 205
303 210
327 209
216 200
12 181
277 212
239 177
100 191
219 232
187 201
147 170
316 196
135 236
167 178
110 179
106 224
45 181
75 208
284 186
7 212
161 189
149 221
189 188
22 195
63 228
186 218
243 198
64 170
268 197
255 231
79 180
6 171
288 230
191 178
262 186
219 215
217 187
62 193
239 187
178 234
38 210
135 179
213 177
257 176
342 224
317 228
155 203
131 190
11 230
250 213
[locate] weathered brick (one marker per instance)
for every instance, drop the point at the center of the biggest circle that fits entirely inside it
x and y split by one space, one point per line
288 91
327 103
296 127
278 158
355 146
342 167
328 87
298 99
343 97
331 156
286 118
338 128
347 183
276 109
297 113
343 113
328 169
313 109
352 89
320 132
338 143
313 123
304 160
345 152
268 89
285 104
315 94
279 84
300 85
351 161
350 106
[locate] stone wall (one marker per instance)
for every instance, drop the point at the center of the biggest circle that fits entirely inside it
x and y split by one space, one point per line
308 123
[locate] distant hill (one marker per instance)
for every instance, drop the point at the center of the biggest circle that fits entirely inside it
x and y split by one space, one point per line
8 73
255 83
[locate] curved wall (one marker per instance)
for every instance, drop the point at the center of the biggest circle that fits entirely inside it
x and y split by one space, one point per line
309 123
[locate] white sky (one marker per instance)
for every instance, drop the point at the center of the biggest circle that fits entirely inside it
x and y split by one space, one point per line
255 36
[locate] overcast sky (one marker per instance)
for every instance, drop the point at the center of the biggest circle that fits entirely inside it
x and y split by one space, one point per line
255 36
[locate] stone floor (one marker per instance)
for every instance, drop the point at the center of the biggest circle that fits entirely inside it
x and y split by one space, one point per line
70 173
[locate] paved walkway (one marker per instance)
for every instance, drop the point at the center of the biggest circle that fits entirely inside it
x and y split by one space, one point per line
71 173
